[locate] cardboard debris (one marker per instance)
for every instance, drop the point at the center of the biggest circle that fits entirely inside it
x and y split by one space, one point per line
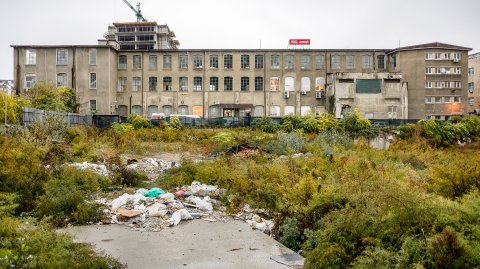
128 213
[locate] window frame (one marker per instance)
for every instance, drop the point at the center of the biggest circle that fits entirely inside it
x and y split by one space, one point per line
197 61
30 57
122 84
367 61
213 84
64 78
136 84
275 59
245 61
152 62
183 84
305 62
93 81
197 84
92 56
122 66
227 61
152 83
167 61
336 62
137 62
319 61
289 61
350 64
245 84
259 60
259 83
228 84
62 58
167 83
183 61
213 61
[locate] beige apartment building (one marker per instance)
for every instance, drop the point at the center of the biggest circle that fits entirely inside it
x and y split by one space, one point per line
473 103
405 83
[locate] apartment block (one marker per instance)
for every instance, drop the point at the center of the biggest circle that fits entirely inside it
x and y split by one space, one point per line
473 102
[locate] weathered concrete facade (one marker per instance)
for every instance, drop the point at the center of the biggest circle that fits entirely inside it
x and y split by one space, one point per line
436 74
473 103
214 83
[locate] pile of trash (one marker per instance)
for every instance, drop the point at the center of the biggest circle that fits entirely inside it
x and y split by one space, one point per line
155 209
150 166
100 169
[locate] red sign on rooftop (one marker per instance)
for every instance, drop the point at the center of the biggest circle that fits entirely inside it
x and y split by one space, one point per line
299 42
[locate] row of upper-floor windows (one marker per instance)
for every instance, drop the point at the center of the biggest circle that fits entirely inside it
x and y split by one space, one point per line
443 70
443 55
443 84
214 84
257 61
61 56
61 80
442 99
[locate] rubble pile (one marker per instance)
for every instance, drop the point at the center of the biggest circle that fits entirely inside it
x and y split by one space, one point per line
150 166
155 209
100 169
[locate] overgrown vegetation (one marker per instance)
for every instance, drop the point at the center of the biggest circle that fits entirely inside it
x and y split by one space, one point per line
344 204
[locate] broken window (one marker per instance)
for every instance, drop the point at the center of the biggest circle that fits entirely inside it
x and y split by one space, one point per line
62 56
457 99
122 62
183 82
381 61
197 61
152 62
197 83
245 61
305 84
228 61
213 84
305 62
289 61
350 62
137 62
136 84
31 57
214 61
259 61
244 83
93 80
289 84
274 84
30 80
167 84
62 80
92 56
183 61
93 105
275 61
228 83
167 61
122 84
152 84
258 83
335 62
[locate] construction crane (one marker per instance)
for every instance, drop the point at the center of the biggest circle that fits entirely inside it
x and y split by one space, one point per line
137 11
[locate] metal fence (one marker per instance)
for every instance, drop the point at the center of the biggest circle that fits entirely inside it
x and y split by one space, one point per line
31 115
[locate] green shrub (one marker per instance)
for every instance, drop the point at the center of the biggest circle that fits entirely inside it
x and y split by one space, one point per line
122 127
138 122
291 123
265 124
356 125
175 123
286 143
66 195
289 233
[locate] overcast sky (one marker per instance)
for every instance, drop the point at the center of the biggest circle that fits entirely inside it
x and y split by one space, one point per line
224 24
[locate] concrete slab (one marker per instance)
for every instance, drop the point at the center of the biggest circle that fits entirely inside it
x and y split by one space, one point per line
193 244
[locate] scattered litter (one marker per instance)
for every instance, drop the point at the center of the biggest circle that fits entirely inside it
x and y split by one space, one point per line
179 215
100 169
235 249
292 259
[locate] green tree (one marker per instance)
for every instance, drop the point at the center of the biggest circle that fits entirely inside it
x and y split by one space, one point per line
47 97
14 107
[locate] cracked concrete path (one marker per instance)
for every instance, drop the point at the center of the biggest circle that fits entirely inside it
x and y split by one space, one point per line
193 244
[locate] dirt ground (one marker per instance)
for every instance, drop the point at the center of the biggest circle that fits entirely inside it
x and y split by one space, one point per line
192 244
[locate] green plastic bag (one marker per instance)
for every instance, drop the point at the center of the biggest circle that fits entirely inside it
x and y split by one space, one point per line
154 192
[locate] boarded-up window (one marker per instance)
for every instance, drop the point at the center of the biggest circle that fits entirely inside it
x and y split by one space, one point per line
137 110
258 111
289 84
275 111
183 110
305 84
305 110
289 110
152 109
167 110
368 86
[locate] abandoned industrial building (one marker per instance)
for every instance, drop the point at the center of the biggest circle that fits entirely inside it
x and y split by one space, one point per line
139 69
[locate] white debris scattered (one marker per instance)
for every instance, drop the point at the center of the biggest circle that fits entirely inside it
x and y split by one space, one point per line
100 169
